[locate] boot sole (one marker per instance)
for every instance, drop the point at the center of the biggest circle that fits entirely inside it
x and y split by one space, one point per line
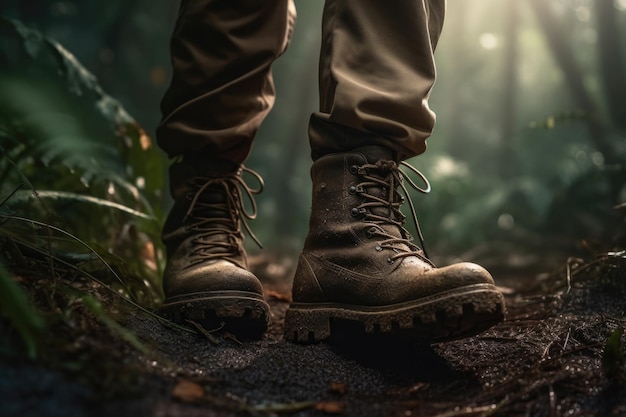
243 314
446 316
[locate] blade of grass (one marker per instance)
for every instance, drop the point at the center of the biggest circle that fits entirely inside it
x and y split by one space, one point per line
61 261
16 307
71 236
43 194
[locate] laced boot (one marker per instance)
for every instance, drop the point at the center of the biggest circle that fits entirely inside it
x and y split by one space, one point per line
206 279
359 266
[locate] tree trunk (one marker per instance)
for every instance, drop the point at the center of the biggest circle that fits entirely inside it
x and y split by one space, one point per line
564 56
611 60
508 157
458 143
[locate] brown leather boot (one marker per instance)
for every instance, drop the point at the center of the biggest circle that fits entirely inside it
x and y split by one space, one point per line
359 265
206 279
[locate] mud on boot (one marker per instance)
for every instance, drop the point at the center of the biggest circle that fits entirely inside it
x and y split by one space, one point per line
359 267
206 279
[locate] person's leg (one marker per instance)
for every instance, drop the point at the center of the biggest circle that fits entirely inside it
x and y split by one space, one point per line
222 86
376 73
359 264
220 92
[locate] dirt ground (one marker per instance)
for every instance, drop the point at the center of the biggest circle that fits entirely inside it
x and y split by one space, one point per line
559 353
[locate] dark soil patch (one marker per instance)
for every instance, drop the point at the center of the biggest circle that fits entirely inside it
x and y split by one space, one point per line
546 359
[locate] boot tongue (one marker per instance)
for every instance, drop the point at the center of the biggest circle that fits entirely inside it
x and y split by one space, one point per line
386 168
385 171
213 206
384 158
374 154
212 203
192 167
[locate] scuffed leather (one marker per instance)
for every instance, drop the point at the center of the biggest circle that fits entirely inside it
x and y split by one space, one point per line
342 263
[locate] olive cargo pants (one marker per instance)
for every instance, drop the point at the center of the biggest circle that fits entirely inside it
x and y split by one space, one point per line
376 73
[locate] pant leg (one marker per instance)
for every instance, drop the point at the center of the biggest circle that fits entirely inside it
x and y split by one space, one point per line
222 86
376 73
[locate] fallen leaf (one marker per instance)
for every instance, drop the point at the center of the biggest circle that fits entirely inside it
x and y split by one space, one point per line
144 140
278 296
331 407
188 391
338 388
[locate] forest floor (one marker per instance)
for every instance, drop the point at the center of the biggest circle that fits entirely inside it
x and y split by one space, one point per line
558 353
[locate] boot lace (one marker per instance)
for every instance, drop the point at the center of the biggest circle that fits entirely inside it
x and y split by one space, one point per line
232 214
386 178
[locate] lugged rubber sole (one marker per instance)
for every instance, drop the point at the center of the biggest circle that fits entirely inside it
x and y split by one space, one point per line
244 314
446 316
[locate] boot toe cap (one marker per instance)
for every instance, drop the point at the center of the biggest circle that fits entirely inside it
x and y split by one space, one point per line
219 275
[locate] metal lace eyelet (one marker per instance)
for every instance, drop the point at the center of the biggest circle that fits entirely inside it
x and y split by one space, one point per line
390 261
354 212
352 189
354 169
378 248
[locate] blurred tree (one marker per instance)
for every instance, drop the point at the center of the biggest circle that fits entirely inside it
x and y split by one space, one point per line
565 58
611 57
509 165
458 31
282 152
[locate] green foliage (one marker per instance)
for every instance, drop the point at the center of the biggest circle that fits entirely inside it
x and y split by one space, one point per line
612 356
19 312
80 179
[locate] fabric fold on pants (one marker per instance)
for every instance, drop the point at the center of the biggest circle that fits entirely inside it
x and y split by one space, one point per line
222 86
377 70
376 73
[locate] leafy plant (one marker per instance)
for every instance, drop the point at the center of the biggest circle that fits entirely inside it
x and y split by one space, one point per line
80 181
